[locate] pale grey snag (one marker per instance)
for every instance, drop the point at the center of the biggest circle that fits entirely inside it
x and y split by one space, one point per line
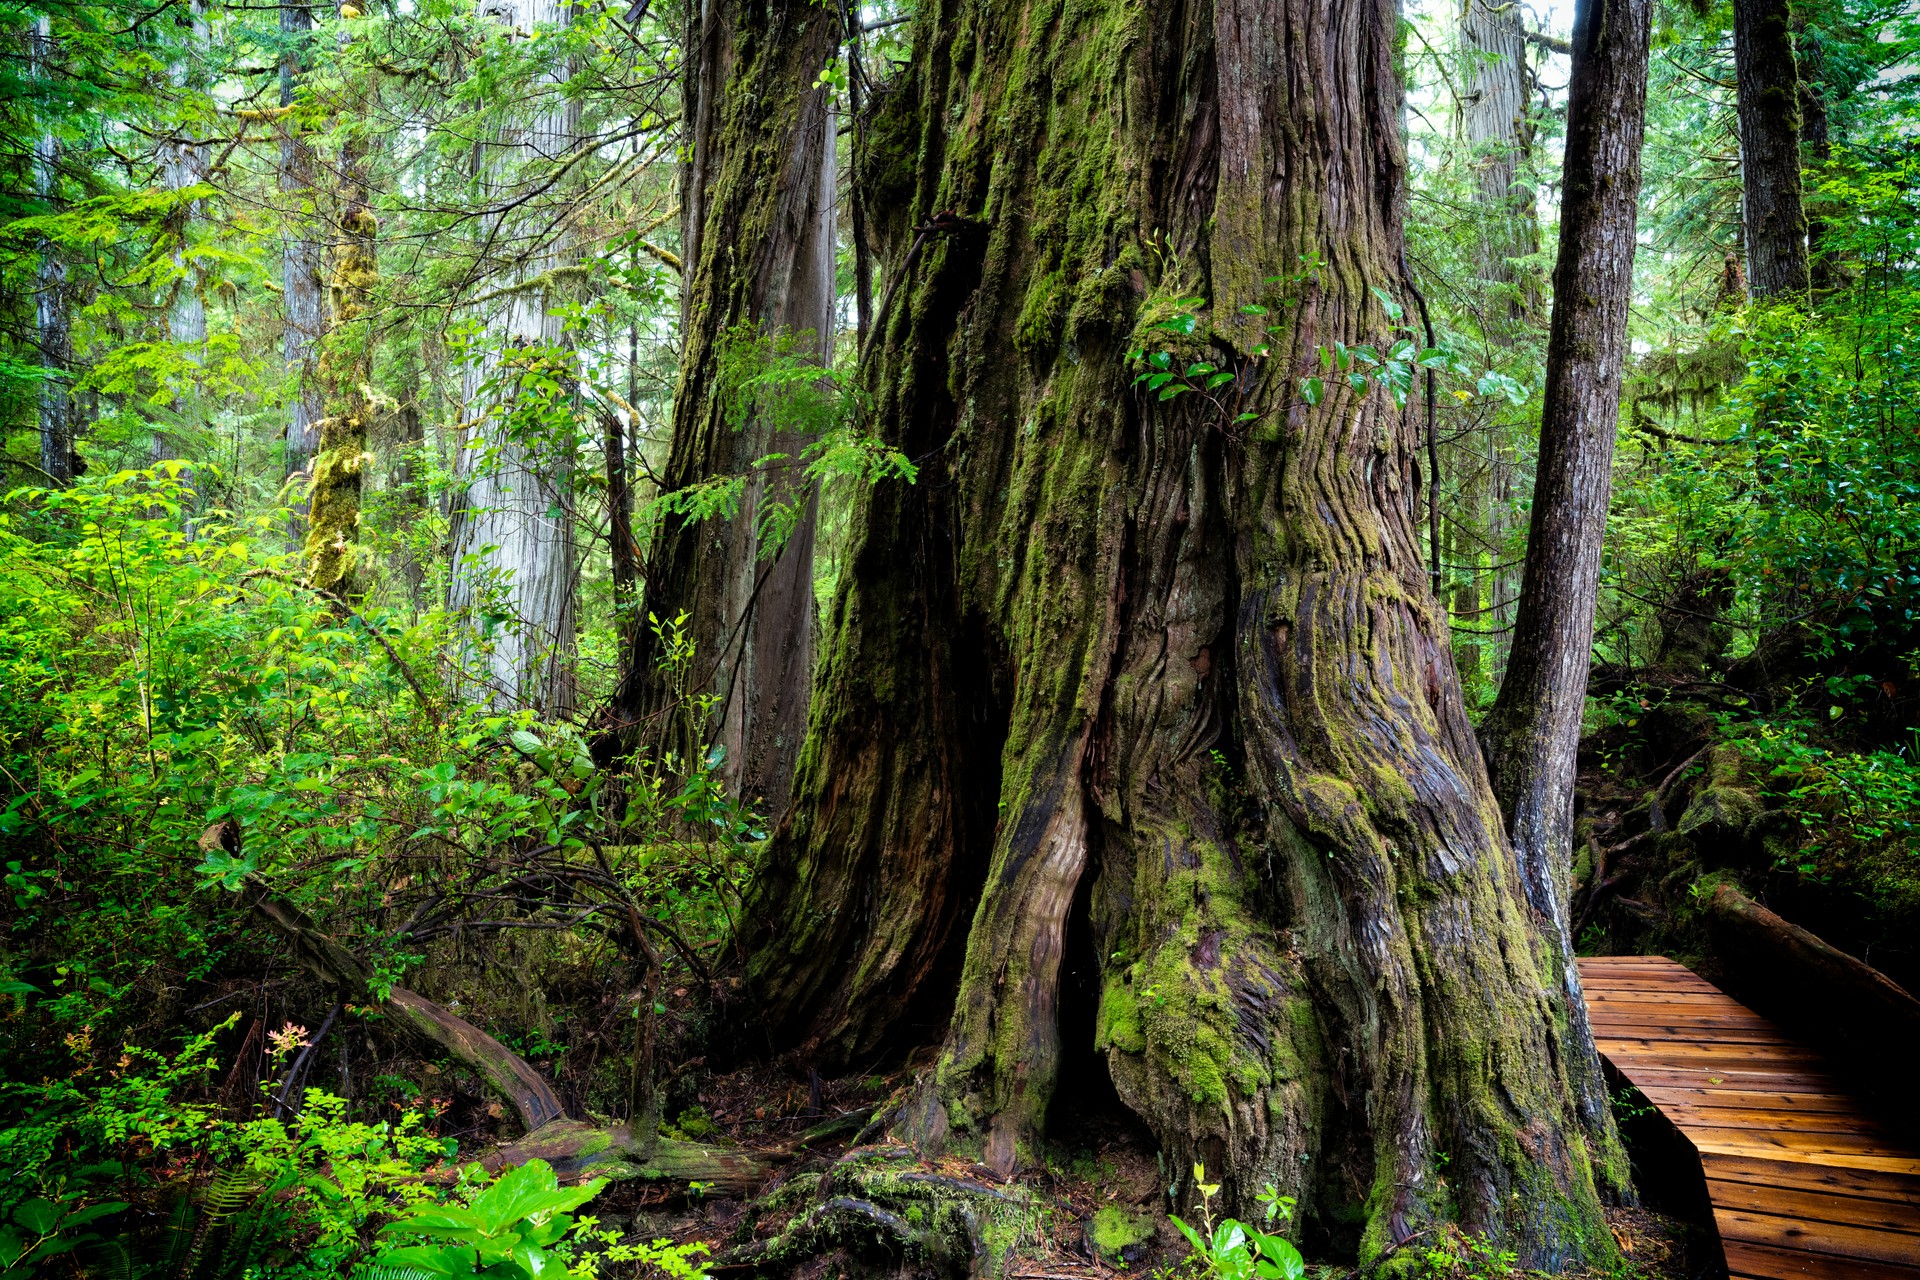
519 598
302 289
1769 101
1121 676
1532 735
183 164
758 200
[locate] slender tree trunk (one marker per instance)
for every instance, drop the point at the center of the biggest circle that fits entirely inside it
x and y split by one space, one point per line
1816 145
300 265
856 203
184 165
54 329
1769 102
1150 682
758 196
624 552
1532 735
519 598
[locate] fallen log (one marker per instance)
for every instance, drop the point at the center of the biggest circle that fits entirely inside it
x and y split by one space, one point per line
1804 982
575 1149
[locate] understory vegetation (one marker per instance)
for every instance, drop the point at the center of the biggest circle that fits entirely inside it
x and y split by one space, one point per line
395 496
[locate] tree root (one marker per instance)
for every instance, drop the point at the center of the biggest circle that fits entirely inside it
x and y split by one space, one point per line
882 1203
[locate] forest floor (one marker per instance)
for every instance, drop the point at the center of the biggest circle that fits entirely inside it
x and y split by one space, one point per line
1104 1211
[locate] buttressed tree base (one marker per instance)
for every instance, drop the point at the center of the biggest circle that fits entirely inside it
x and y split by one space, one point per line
1160 676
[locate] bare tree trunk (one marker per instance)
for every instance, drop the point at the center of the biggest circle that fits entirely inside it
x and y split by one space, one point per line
758 196
1147 688
54 329
1532 735
1769 102
300 264
519 599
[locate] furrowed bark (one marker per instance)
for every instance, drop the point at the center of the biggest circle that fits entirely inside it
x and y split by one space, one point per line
54 328
1769 106
1532 735
514 578
1192 662
758 196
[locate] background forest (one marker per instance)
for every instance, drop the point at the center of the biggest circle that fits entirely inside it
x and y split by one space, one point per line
376 447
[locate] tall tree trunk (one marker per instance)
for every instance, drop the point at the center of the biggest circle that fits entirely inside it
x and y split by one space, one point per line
758 195
1532 735
1144 680
519 598
300 264
1769 102
54 328
1498 85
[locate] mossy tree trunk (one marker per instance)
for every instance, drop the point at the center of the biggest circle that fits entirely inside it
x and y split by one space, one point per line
757 200
1148 681
1532 734
333 505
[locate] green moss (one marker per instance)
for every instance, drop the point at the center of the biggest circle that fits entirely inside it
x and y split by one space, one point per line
1115 1229
1042 316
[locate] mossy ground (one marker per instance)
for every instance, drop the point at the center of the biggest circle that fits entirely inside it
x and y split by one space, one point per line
1095 1205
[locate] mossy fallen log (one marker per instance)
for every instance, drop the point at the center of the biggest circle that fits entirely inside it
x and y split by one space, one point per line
578 1150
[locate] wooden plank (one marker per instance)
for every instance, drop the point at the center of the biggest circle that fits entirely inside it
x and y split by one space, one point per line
1668 1095
1680 1016
1786 1121
1718 1033
1832 1239
1816 1206
1675 1053
1725 1144
1792 1146
1769 1262
1653 1076
1859 1183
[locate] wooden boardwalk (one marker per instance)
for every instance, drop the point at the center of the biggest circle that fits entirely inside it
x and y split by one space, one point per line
1802 1182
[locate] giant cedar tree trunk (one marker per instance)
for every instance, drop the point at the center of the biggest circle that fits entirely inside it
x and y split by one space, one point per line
1137 674
1532 735
1769 103
758 236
